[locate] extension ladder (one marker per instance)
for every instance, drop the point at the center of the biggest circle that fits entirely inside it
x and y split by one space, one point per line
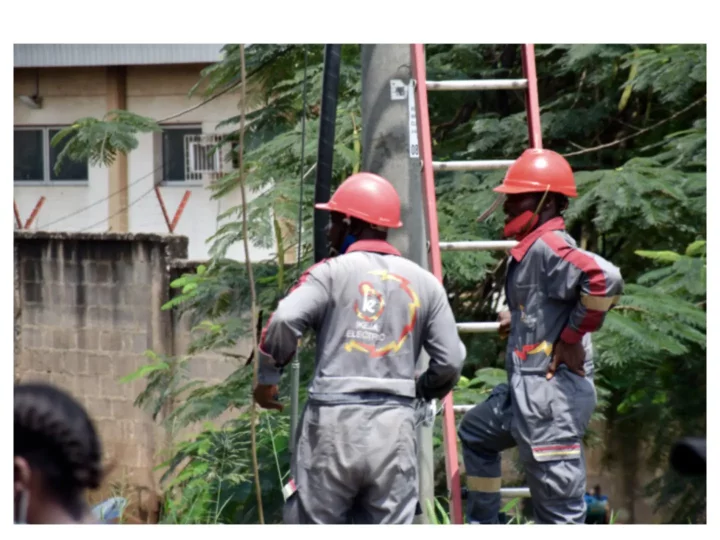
529 84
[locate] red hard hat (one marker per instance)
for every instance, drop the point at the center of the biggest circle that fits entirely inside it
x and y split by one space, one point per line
369 197
539 170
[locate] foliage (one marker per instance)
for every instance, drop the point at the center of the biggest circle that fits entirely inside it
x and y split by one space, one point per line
630 118
100 141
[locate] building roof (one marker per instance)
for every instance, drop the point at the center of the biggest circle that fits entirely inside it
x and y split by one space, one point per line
27 56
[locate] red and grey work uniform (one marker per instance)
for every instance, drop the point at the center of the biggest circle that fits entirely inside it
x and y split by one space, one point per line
554 291
355 459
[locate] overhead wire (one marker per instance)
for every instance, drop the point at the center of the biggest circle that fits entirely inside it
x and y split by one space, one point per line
123 209
107 197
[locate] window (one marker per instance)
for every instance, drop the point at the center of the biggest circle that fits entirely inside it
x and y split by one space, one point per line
174 152
35 157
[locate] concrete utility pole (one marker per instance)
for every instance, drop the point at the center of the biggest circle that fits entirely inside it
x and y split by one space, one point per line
387 147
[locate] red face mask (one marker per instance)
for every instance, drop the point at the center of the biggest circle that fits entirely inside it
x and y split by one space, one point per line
520 226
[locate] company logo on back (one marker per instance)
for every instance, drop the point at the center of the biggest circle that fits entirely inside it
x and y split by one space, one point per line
369 308
371 305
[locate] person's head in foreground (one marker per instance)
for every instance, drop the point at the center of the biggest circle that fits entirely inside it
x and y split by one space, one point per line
57 456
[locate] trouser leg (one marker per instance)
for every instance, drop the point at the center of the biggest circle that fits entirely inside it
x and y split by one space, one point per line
551 419
390 488
484 433
324 467
557 489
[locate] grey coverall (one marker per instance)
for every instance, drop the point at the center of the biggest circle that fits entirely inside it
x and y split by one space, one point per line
356 456
554 291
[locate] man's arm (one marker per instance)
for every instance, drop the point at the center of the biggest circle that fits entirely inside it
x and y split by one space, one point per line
585 278
446 350
303 307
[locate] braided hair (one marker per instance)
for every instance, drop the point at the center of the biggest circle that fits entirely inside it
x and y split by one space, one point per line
55 435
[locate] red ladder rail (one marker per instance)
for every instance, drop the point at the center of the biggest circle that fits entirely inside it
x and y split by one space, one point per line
435 246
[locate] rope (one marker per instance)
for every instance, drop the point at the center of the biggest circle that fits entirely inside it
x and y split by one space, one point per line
295 366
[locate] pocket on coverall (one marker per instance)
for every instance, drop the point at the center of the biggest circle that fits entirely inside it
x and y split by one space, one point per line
574 401
533 420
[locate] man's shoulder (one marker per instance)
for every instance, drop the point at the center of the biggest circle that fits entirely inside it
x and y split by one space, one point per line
553 243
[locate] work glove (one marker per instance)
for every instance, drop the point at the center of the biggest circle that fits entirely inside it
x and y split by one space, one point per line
266 396
425 412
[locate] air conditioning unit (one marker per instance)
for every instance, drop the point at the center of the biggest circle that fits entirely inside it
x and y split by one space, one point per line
204 156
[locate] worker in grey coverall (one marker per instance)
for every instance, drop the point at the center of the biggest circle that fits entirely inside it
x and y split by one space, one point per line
557 295
355 459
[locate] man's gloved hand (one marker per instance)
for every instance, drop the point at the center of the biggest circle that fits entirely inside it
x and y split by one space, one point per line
504 319
573 356
266 395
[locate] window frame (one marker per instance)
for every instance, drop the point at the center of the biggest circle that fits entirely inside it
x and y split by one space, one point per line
177 127
47 173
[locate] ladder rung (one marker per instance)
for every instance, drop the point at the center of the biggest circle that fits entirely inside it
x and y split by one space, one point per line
485 84
478 245
513 492
480 165
462 409
478 327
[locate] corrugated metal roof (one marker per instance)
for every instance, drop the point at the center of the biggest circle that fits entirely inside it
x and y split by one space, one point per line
114 55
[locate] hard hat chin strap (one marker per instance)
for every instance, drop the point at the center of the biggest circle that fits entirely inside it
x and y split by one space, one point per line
490 211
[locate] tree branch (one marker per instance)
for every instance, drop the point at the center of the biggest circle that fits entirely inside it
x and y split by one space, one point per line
462 116
253 294
645 130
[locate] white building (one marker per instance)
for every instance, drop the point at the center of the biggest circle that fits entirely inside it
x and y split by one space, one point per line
54 85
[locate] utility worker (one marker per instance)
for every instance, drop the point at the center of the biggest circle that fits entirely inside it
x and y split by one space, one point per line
557 295
355 459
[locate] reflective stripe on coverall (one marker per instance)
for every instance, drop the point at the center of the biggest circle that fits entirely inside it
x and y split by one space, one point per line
553 290
372 311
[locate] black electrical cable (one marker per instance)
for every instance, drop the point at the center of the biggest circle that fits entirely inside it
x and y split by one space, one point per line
326 147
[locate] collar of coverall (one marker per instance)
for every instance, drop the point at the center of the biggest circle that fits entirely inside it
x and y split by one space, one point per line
519 251
378 246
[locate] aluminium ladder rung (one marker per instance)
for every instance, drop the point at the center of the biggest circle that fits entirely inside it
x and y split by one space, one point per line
484 84
477 165
462 409
478 327
515 492
478 245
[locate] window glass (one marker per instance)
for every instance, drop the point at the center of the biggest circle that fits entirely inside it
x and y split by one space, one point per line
69 170
28 155
174 153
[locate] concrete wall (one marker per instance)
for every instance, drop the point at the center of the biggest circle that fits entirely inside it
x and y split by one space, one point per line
87 308
154 91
